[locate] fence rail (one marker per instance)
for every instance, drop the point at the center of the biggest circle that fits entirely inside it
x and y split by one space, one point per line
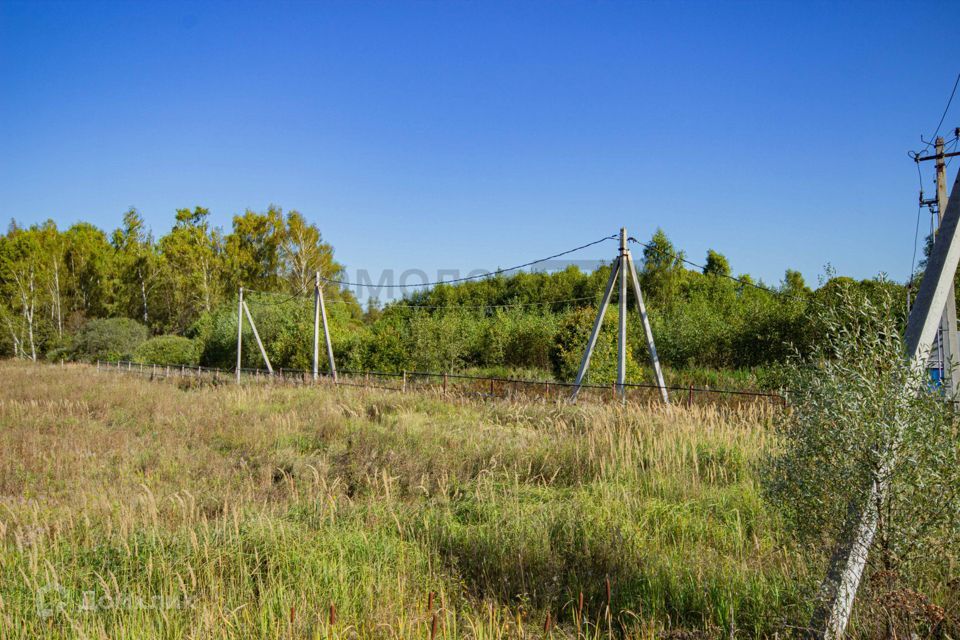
459 384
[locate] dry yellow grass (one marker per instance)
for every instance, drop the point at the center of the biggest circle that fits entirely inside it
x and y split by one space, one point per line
131 508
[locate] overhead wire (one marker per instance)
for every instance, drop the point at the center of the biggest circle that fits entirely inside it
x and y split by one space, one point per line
747 283
289 299
916 231
648 246
933 139
946 109
455 305
480 276
915 155
951 150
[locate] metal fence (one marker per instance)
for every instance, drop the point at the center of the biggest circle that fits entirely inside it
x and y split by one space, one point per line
452 384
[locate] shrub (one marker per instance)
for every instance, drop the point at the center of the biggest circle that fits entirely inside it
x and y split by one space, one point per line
572 336
861 417
109 339
173 350
285 325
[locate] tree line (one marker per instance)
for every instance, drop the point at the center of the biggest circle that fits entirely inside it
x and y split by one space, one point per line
82 293
53 281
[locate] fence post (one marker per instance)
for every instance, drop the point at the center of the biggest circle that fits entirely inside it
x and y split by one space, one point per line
444 383
98 366
690 396
403 387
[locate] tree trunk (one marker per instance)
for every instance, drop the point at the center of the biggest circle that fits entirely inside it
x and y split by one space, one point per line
143 294
56 297
29 316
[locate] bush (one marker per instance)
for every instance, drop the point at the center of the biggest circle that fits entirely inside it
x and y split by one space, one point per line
286 327
172 350
572 336
109 339
861 417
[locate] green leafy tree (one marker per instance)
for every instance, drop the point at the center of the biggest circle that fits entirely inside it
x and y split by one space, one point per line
88 261
663 270
138 267
193 257
253 250
717 264
22 272
303 253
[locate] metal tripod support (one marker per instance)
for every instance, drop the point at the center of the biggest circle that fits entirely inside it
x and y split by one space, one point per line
624 268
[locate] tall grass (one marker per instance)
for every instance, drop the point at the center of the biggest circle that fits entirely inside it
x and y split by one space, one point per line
137 509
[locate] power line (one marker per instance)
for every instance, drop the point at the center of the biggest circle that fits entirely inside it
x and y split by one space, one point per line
933 139
702 268
291 298
916 238
952 149
455 305
916 231
344 283
952 93
651 247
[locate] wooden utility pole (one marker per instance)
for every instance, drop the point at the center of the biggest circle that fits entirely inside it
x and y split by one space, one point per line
849 558
623 268
239 332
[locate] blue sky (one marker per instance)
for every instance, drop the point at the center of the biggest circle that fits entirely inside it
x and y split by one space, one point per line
448 135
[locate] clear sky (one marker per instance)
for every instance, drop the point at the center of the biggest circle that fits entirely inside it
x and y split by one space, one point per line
449 135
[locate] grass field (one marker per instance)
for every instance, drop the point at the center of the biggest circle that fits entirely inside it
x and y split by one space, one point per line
139 509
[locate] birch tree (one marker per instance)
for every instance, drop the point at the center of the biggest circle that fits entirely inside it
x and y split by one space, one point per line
193 256
138 266
87 260
21 266
303 253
